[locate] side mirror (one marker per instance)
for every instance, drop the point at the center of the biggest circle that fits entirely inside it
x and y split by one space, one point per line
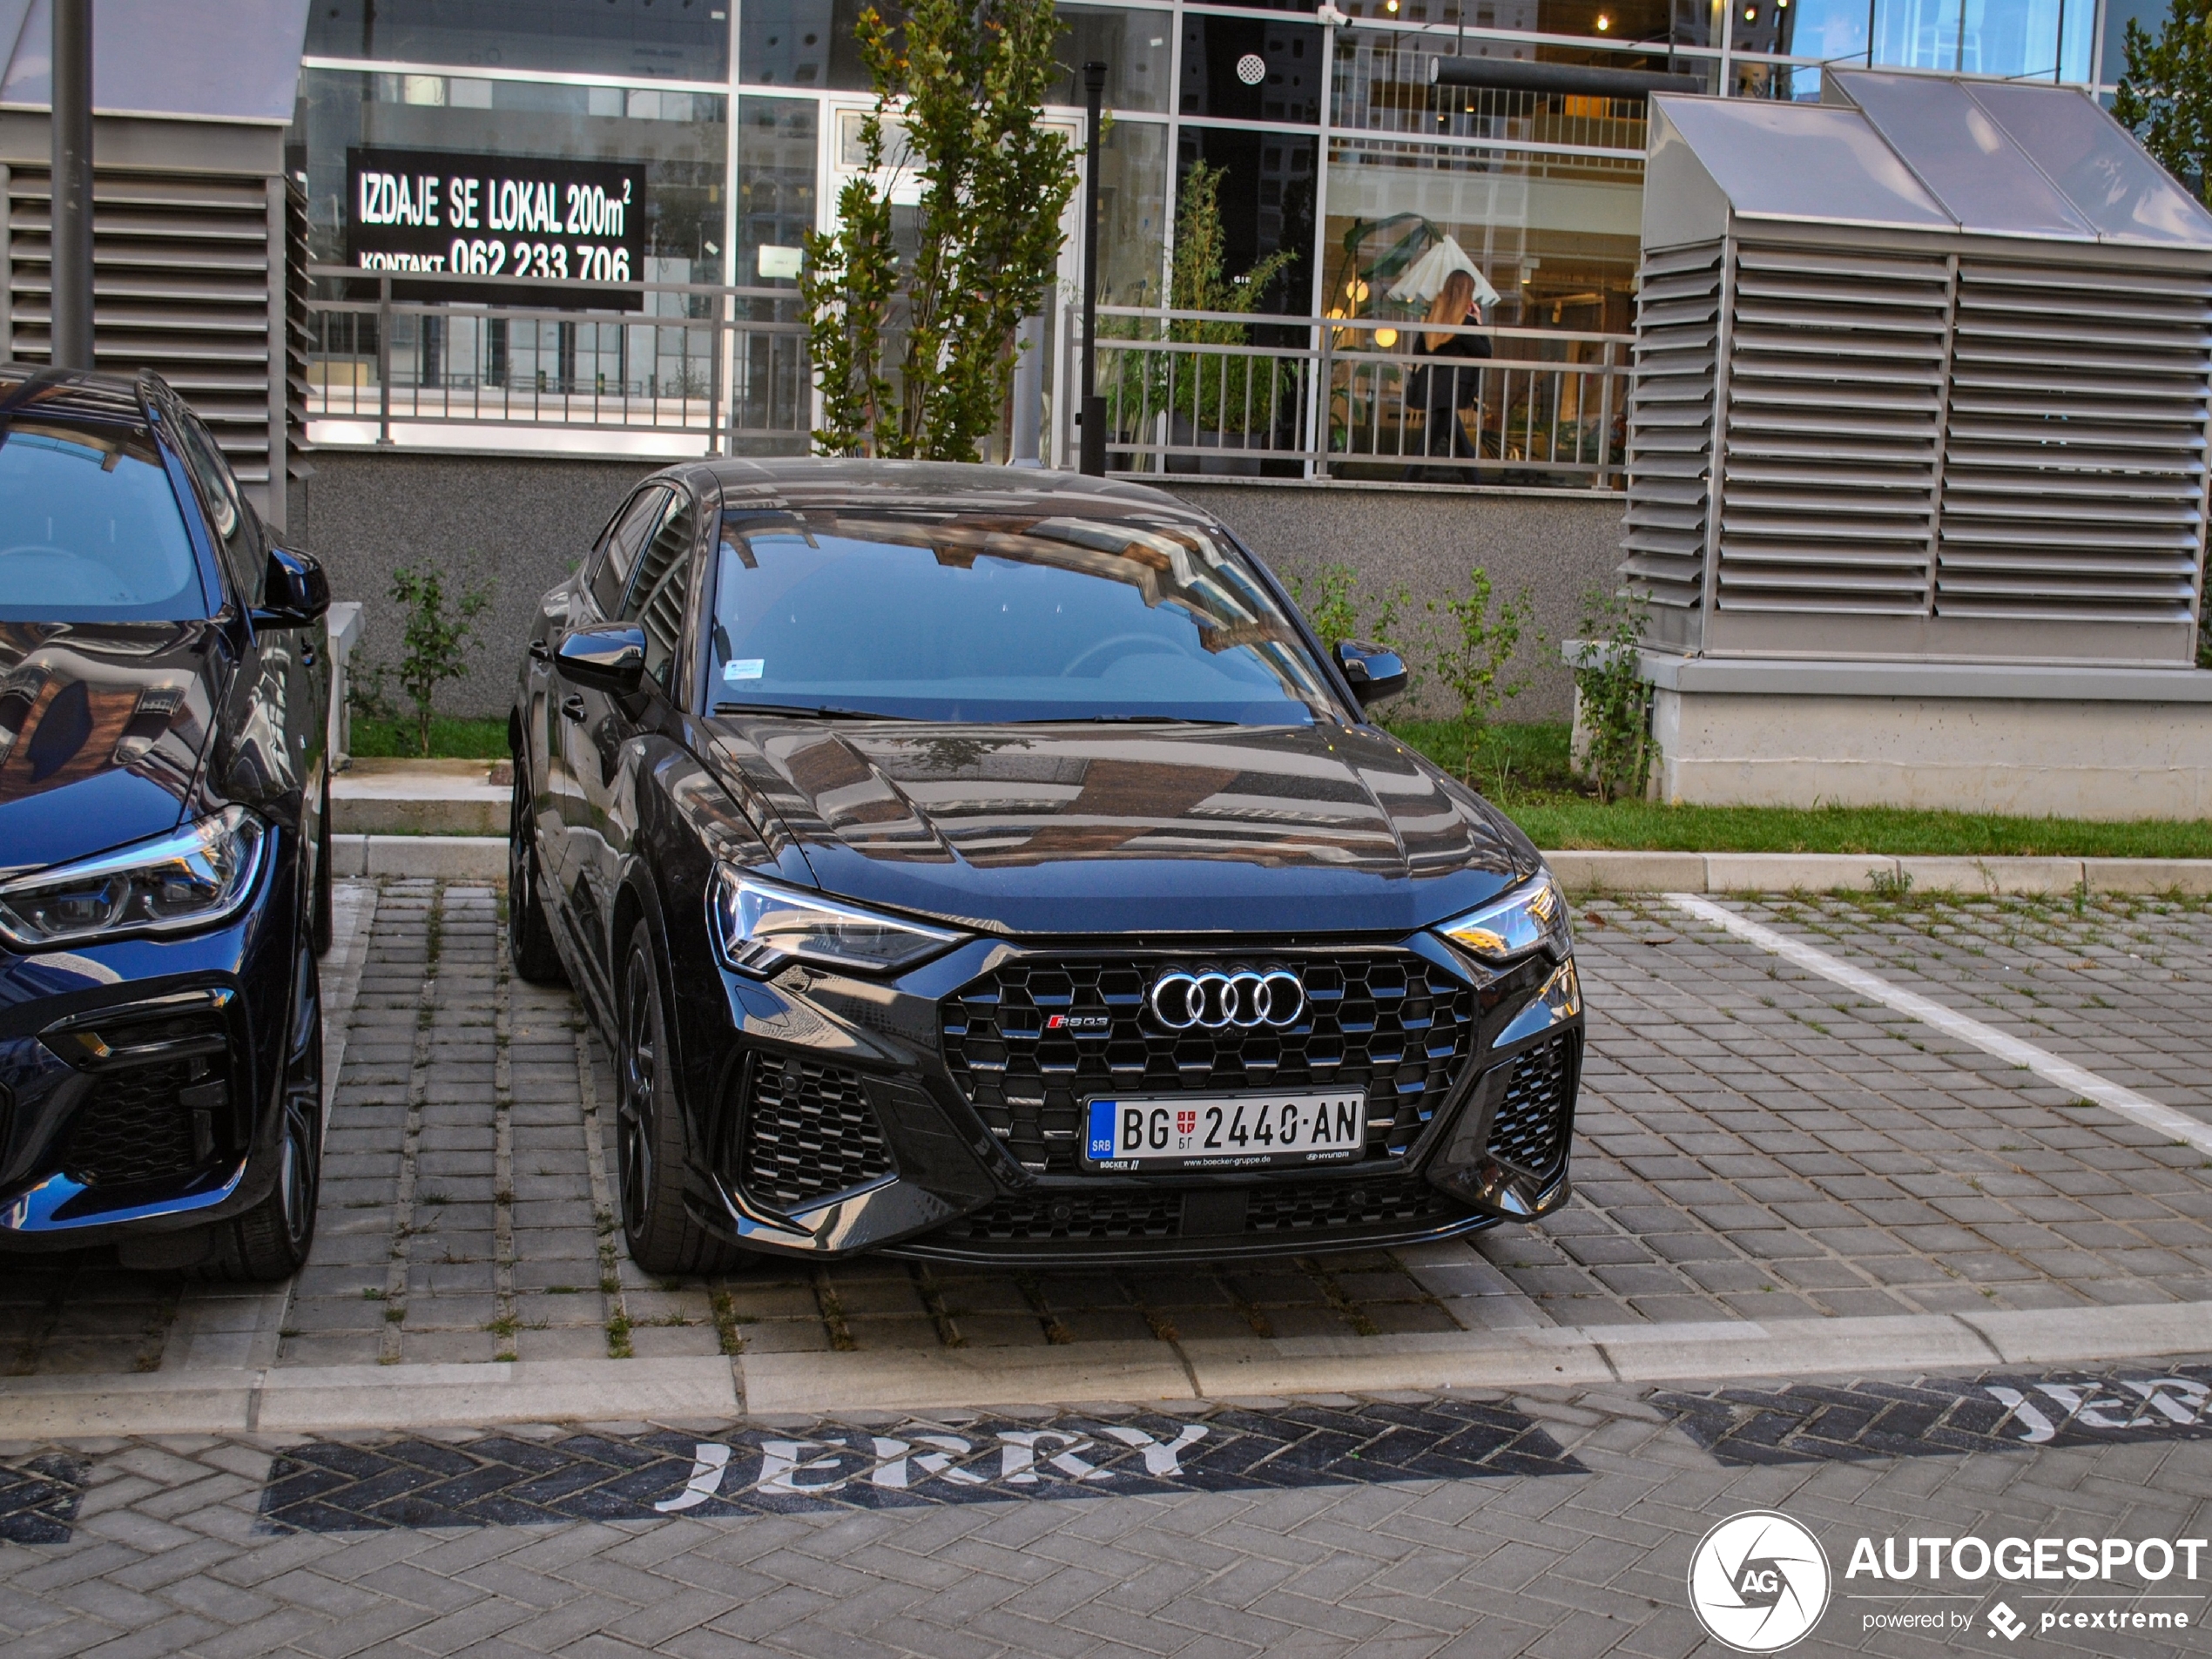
294 592
611 658
1374 673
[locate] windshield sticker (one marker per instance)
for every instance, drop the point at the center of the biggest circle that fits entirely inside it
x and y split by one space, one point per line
743 668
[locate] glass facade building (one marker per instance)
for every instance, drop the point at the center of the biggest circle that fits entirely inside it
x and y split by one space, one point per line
734 121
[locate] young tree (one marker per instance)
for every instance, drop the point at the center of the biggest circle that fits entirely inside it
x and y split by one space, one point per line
1232 393
1475 644
434 646
2166 96
966 84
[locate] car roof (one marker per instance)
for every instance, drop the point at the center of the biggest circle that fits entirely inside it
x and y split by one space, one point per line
68 393
796 483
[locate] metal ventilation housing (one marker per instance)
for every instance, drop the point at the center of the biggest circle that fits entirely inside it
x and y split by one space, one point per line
198 235
1923 372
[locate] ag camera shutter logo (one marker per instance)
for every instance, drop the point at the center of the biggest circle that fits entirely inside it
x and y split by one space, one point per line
1758 1582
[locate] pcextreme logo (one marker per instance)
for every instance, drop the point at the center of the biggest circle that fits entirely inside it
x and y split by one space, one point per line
1758 1582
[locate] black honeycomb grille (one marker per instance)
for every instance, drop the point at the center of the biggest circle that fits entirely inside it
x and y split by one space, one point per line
1081 1215
809 1132
1387 1022
1406 1199
1137 1215
1535 1115
132 1127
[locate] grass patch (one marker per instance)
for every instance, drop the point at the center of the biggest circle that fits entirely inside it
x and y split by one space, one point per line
450 739
1523 769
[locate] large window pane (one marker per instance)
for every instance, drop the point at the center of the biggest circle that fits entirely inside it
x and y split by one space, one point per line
800 43
2077 31
1136 47
1381 87
678 137
776 157
1251 68
2008 37
1832 30
770 387
1690 22
1266 204
674 142
2151 14
1133 212
1556 238
686 40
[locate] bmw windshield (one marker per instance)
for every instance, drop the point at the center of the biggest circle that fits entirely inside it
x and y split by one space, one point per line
974 620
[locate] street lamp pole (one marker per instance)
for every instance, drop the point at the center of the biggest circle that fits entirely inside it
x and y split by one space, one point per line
73 185
1092 405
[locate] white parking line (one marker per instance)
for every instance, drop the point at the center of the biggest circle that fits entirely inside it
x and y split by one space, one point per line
2084 1083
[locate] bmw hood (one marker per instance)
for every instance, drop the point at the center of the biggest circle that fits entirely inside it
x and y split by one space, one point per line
101 730
1125 829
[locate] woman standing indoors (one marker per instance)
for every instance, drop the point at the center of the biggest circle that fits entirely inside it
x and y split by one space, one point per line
1446 391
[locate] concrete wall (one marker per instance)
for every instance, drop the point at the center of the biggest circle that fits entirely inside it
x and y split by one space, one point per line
526 523
1556 544
2053 756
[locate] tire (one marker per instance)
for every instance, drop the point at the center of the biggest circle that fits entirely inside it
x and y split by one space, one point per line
270 1242
530 935
319 908
649 1133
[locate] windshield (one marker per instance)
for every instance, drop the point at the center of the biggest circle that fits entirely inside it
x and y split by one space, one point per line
90 530
975 619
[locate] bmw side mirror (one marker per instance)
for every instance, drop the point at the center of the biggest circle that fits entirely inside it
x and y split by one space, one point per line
294 592
607 659
1374 673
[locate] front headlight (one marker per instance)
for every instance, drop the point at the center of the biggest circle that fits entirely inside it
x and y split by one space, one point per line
1532 917
189 878
760 926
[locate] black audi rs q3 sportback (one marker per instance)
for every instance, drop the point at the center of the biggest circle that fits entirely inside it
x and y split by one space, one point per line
165 886
991 865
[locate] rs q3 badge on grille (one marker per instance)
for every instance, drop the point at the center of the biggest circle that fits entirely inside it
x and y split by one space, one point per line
1213 999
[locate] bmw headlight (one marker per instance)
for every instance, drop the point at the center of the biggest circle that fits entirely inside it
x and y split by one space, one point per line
189 878
1532 917
760 926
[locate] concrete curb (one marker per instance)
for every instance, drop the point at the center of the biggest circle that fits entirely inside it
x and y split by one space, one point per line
352 1398
1611 872
477 857
451 857
711 1390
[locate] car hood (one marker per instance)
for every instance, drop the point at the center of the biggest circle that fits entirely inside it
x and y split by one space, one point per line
101 730
1140 829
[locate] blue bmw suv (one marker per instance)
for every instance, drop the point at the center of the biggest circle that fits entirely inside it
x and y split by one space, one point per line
165 882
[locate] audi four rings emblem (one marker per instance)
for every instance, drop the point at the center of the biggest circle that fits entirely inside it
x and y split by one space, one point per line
1248 997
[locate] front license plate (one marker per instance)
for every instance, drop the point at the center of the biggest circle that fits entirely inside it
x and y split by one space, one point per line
1225 1131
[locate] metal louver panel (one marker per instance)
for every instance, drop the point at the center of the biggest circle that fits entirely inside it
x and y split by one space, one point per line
1670 423
2074 454
183 266
1834 407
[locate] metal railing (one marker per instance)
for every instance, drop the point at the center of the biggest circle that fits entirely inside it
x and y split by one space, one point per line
727 363
1187 392
1353 399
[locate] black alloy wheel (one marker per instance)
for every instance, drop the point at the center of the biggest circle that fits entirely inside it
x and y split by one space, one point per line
529 933
271 1241
648 1132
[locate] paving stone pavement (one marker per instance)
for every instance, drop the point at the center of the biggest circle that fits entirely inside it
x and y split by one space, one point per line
1754 1143
190 1545
2117 983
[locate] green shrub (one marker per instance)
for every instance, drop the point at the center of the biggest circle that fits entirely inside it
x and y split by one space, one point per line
434 645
